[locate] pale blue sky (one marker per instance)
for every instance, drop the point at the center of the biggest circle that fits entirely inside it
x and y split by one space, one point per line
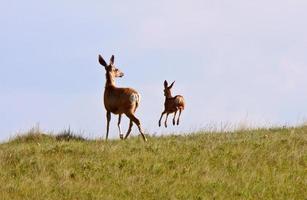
234 61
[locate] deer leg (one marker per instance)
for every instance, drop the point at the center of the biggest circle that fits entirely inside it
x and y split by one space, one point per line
137 122
161 118
165 122
179 116
118 124
129 129
108 123
174 117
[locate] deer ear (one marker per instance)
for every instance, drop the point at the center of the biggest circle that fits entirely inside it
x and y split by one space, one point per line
112 60
101 61
171 85
165 84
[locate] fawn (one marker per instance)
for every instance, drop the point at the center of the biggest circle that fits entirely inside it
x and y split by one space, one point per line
119 100
171 104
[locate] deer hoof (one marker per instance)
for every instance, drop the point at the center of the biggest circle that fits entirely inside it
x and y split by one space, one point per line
121 136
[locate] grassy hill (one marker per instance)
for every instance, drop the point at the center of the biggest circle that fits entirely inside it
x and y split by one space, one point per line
254 164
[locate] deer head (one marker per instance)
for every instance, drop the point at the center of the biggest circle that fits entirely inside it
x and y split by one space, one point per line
167 89
111 69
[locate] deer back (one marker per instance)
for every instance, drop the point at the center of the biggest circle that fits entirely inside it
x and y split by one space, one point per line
174 103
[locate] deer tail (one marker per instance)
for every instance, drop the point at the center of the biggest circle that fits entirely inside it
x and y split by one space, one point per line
135 98
137 102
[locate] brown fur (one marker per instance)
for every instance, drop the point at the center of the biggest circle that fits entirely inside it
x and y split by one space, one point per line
171 104
119 100
116 100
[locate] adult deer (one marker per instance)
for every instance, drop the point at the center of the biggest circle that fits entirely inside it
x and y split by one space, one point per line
119 100
171 104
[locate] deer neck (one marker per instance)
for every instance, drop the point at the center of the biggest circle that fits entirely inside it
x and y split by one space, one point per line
110 81
168 96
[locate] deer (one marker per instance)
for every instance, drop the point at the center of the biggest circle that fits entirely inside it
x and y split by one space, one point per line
171 104
118 100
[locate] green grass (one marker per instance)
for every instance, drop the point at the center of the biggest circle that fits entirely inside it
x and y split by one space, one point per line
254 164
